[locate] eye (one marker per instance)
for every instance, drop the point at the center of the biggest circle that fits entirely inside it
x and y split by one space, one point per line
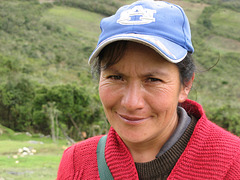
115 77
154 80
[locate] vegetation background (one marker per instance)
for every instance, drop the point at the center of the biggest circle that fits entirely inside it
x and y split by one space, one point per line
46 87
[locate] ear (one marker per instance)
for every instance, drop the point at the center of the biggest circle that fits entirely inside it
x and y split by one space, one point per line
185 89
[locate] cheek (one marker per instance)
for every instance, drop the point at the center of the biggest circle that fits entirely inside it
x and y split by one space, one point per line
165 97
109 101
103 93
108 96
164 104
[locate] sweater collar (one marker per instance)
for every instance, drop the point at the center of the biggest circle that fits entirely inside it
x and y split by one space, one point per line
119 158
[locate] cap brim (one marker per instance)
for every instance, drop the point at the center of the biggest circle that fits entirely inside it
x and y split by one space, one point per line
167 49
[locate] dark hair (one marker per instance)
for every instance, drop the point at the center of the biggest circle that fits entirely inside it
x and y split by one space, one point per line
186 68
113 52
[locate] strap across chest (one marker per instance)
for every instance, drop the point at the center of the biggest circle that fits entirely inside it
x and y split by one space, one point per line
103 169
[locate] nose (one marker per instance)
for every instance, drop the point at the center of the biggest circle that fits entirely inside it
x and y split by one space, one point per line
133 97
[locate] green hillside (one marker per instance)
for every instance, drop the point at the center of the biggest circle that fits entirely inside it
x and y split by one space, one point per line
44 52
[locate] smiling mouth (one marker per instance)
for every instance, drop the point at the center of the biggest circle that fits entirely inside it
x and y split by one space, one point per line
132 119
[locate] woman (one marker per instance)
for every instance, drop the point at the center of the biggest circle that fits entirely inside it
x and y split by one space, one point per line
143 59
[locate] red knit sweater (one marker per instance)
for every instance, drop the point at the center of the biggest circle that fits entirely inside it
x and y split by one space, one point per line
212 153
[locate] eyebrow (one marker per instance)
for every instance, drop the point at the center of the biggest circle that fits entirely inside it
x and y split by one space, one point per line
112 70
154 73
145 74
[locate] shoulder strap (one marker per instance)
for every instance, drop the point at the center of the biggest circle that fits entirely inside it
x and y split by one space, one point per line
103 169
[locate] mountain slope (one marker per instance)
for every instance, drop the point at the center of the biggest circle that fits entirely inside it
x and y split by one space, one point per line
46 45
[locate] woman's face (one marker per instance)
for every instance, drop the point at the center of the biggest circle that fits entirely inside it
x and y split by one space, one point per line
140 95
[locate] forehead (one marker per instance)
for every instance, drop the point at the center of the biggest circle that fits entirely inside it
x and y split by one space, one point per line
112 53
138 57
136 53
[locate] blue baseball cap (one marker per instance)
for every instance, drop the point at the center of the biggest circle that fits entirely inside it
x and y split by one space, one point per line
157 24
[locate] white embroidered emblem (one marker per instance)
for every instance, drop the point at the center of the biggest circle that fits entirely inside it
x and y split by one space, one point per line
145 16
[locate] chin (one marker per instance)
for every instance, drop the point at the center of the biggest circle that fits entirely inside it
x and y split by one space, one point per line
132 136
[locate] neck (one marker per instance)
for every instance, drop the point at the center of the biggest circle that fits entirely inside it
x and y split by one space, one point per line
147 151
144 153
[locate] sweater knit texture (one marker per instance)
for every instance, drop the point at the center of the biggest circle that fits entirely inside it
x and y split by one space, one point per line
211 153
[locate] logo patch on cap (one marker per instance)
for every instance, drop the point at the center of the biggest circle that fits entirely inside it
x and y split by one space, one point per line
137 16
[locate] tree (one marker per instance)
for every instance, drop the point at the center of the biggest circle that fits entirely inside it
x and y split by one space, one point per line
16 97
52 112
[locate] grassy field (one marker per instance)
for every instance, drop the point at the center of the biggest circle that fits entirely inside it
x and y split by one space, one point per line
226 36
192 10
226 23
33 167
223 44
43 164
75 20
84 27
